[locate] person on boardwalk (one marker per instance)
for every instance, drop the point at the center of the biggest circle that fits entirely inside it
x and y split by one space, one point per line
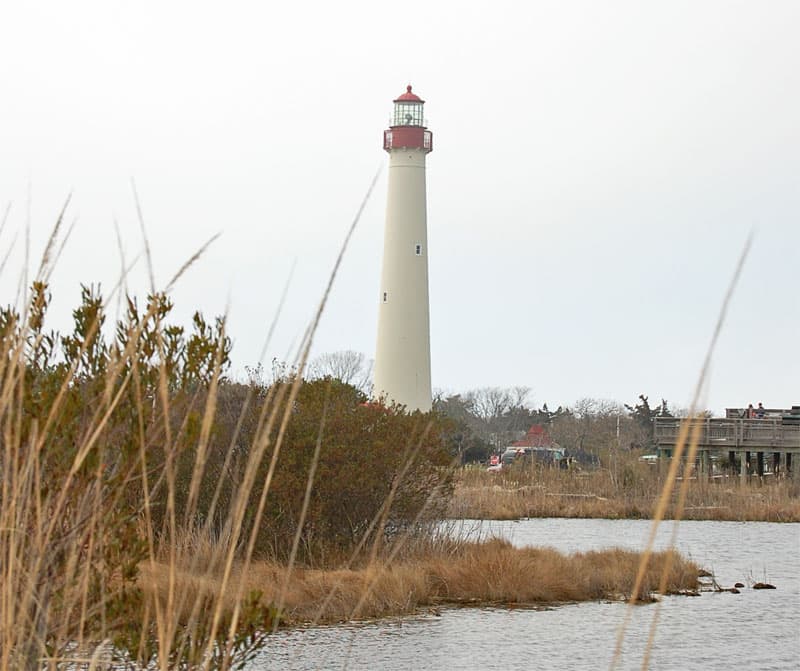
750 413
760 411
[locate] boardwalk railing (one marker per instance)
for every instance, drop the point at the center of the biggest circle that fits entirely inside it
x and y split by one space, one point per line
734 434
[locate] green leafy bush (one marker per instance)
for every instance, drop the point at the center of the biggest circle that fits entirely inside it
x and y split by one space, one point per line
378 471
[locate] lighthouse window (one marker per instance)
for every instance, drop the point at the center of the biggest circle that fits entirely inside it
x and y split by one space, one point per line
407 114
418 249
385 296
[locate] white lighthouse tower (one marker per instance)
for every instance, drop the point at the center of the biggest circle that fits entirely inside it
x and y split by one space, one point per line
403 353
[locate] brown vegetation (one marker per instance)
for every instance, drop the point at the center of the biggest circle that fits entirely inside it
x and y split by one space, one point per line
490 572
629 489
117 449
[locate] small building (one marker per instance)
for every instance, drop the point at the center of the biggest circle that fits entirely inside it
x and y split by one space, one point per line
537 436
536 444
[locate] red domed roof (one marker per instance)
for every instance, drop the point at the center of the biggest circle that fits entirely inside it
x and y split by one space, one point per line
408 97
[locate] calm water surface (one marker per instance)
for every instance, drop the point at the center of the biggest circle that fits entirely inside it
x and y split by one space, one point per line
752 630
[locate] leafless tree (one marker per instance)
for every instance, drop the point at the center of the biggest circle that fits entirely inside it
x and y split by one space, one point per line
347 366
498 409
488 403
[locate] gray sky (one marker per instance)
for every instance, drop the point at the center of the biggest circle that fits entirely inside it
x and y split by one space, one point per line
597 169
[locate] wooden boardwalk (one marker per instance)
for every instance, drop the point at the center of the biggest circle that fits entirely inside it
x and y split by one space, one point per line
757 446
734 434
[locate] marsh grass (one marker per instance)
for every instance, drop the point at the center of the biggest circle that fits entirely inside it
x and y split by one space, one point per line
491 572
633 492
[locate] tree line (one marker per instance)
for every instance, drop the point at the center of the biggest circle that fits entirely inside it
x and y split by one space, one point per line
486 420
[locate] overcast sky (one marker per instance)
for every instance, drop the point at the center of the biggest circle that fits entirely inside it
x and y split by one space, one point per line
597 169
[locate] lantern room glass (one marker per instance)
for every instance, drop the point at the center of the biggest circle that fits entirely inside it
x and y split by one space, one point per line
407 114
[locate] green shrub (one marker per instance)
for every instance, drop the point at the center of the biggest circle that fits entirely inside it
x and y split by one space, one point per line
368 455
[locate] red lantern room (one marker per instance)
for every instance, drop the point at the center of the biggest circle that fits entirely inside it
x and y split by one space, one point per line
408 125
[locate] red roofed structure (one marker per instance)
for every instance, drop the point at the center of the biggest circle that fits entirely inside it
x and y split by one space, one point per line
407 130
537 436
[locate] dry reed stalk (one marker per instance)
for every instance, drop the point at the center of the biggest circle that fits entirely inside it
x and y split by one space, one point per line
304 509
21 492
262 443
680 445
401 542
377 522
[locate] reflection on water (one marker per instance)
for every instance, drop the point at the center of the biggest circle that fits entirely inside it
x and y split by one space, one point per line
752 630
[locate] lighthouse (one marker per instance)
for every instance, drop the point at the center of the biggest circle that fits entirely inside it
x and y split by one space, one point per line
403 352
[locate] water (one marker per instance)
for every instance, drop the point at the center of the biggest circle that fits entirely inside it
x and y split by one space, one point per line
751 630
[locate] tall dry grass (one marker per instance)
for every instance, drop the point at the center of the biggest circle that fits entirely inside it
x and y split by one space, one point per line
90 444
484 573
89 447
633 491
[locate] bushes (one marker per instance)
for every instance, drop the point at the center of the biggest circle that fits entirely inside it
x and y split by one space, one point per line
368 456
